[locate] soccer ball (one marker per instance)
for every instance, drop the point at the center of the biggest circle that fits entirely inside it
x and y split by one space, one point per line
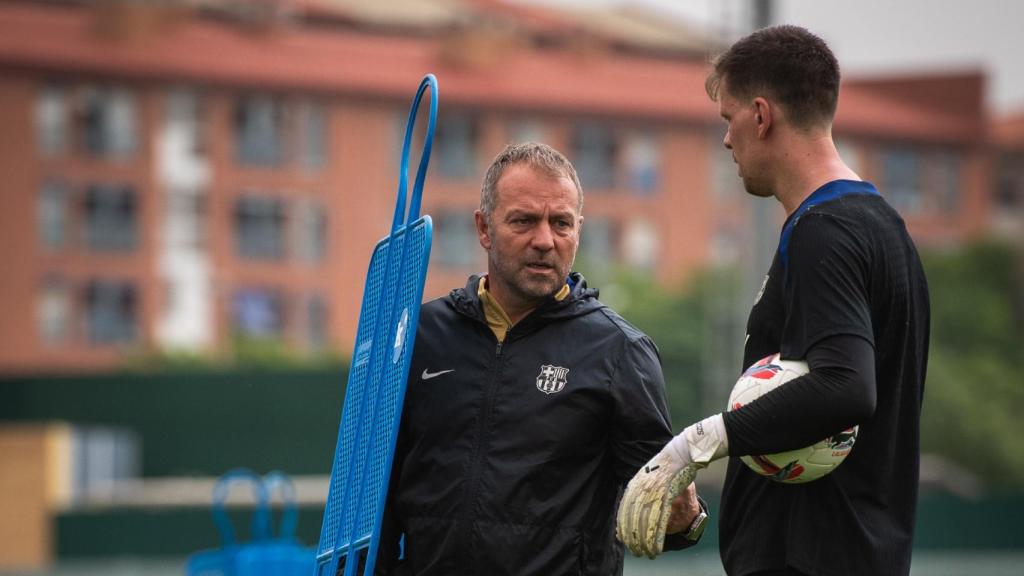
795 466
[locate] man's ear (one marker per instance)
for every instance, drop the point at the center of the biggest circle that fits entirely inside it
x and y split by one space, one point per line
483 231
763 115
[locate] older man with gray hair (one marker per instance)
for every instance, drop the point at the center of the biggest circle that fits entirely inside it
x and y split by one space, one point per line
530 403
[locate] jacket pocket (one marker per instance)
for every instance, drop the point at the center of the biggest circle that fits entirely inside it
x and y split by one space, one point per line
523 549
437 547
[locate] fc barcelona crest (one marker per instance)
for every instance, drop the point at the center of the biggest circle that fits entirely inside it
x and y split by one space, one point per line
551 379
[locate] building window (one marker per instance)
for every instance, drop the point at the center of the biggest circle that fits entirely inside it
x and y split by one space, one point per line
310 231
316 323
54 312
258 313
455 240
109 121
725 183
111 312
850 153
260 228
416 141
185 221
598 243
640 244
110 217
1010 183
312 137
901 179
725 247
101 458
947 173
184 135
52 121
456 141
259 130
643 163
53 215
594 152
522 131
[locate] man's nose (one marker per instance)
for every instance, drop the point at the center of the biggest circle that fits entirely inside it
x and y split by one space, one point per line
543 237
727 141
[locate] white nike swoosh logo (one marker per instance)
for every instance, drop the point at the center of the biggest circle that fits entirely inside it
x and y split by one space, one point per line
428 375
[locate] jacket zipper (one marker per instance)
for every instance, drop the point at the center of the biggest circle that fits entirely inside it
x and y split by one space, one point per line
473 491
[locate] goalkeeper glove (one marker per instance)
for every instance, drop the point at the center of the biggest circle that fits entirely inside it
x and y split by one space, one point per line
647 502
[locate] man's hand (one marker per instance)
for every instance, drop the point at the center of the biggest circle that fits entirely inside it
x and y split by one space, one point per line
646 506
652 497
685 509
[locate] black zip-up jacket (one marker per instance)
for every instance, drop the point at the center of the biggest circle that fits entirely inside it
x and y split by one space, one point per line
512 456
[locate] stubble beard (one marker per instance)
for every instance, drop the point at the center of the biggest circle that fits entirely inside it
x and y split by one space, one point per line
526 287
756 189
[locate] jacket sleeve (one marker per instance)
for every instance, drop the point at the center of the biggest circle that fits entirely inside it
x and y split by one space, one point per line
641 422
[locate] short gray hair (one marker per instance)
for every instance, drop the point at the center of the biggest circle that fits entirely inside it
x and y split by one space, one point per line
538 156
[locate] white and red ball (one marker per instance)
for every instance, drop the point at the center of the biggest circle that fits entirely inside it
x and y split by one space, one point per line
794 466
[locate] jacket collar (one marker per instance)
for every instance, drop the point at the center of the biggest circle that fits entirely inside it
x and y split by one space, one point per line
580 301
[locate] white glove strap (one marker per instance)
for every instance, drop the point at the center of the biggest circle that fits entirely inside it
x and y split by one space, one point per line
702 442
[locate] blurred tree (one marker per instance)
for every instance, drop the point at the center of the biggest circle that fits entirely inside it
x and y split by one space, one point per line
975 388
696 334
244 353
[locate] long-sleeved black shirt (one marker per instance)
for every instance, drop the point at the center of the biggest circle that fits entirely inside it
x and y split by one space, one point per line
846 292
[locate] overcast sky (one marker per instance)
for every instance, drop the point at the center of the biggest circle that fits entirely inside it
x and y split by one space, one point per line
887 36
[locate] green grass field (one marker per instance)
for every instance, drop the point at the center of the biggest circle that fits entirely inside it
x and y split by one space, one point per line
694 563
924 564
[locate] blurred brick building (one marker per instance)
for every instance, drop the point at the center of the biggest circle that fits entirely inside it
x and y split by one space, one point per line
181 174
1008 202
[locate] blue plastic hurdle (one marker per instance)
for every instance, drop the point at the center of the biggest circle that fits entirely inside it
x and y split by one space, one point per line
379 369
263 554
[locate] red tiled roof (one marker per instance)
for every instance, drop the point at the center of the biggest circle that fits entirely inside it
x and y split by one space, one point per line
866 113
533 16
333 60
957 91
293 58
1009 130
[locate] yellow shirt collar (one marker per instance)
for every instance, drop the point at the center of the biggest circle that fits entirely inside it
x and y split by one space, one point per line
497 319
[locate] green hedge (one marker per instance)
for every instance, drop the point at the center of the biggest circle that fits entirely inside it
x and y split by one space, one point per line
198 423
944 523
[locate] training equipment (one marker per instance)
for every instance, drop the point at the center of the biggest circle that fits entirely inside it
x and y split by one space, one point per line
265 554
794 466
378 372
